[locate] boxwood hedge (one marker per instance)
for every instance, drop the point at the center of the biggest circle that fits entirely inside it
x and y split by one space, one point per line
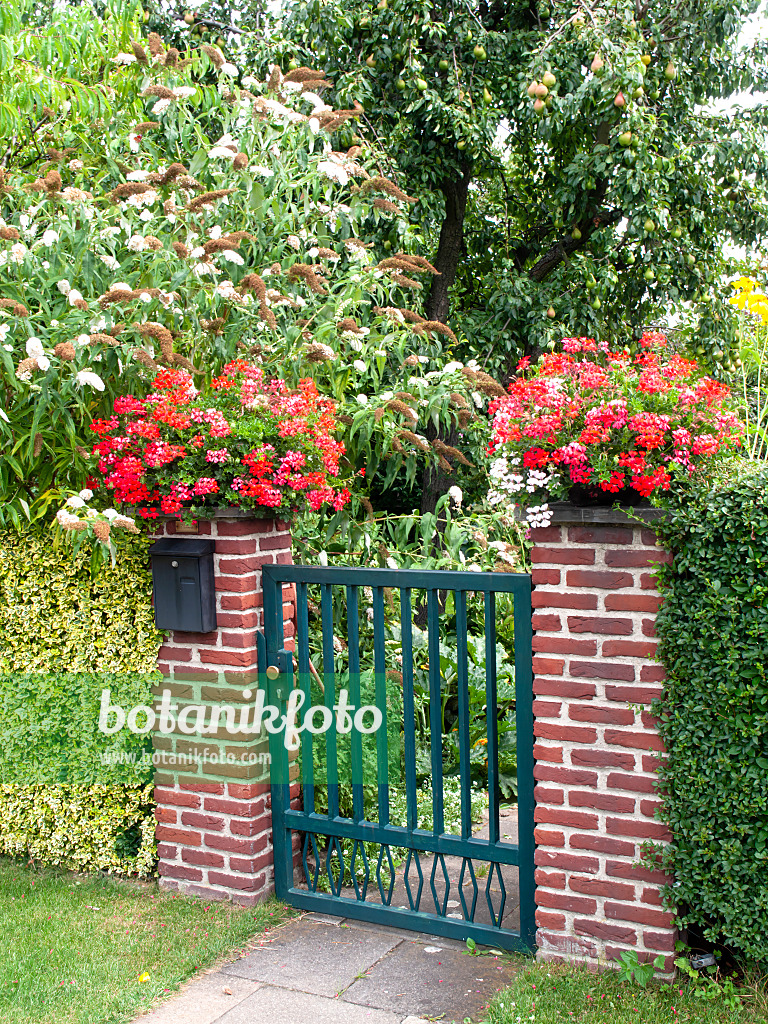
713 629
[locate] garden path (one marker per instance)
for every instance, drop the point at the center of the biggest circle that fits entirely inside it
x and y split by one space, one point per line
319 969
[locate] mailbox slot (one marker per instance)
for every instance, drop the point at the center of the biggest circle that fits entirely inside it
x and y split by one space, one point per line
183 583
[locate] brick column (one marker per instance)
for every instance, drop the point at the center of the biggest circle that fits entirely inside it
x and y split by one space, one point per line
214 824
596 744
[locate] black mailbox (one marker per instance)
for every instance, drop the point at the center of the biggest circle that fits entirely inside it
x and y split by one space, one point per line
182 576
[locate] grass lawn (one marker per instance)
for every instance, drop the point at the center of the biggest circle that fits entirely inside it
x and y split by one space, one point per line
555 993
73 948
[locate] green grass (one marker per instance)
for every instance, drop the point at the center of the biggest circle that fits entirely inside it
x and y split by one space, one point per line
556 993
74 947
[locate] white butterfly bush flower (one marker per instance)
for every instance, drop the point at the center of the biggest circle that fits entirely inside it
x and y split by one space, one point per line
83 377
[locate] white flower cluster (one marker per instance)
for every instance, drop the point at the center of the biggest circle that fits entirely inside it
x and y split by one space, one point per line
78 515
509 479
538 516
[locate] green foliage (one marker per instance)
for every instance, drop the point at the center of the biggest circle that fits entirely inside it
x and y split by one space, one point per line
66 631
554 993
49 734
54 617
606 214
710 984
85 828
713 629
630 969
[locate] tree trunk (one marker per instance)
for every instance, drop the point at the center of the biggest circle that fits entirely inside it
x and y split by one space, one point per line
449 249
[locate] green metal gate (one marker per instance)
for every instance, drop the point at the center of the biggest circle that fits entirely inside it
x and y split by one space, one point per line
353 859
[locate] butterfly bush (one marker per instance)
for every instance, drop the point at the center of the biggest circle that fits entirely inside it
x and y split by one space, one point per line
247 441
607 423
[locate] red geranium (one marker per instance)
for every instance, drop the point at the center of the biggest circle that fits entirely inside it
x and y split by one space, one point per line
607 422
248 441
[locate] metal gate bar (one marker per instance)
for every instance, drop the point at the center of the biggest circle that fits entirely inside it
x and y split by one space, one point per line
333 827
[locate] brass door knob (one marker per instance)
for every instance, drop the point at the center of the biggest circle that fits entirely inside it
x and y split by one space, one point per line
273 672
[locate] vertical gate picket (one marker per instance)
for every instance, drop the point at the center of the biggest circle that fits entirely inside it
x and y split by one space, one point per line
380 679
462 685
302 655
409 713
525 780
355 697
491 713
435 711
329 687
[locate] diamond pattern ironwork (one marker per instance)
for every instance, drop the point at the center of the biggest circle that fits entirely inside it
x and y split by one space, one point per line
386 898
469 912
413 858
496 919
361 890
335 881
439 858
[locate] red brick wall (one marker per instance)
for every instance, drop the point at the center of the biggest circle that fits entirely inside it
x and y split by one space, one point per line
596 745
214 824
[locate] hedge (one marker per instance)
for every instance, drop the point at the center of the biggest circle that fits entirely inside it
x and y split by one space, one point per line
73 630
713 629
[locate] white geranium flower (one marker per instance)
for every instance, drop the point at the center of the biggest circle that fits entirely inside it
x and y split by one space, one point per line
82 340
83 377
183 92
4 329
456 495
43 362
110 513
314 125
86 494
75 501
137 243
124 58
34 348
17 252
229 69
76 165
261 171
120 286
145 297
73 296
362 399
146 215
50 237
110 262
215 232
197 252
161 105
64 286
137 176
360 366
452 366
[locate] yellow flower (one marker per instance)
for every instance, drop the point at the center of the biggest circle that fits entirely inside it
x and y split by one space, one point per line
144 977
743 284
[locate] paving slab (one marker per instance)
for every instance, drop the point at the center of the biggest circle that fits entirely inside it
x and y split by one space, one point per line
431 981
285 1006
316 958
203 1001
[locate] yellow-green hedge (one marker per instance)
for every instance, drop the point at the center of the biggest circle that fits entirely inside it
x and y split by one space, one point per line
54 617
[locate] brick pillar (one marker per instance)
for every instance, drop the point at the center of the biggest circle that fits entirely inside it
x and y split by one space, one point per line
596 744
214 824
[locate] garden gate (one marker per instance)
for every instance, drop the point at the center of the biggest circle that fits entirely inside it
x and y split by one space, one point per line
369 843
